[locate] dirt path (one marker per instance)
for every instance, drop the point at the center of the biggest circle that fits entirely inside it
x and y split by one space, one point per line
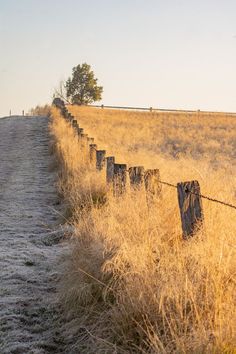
29 258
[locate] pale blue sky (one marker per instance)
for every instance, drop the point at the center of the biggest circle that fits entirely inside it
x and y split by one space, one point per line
160 53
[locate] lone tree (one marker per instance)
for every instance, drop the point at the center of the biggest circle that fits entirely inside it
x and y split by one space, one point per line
82 87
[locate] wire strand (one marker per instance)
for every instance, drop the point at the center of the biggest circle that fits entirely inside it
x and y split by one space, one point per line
175 186
202 196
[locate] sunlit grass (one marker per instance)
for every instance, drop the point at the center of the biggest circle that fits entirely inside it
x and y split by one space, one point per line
132 284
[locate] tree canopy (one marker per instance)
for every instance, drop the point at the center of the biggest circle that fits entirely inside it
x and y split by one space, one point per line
81 87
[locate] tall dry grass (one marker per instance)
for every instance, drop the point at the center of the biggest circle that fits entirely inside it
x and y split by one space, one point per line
142 138
132 284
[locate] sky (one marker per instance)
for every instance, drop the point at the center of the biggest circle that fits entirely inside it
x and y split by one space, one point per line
161 53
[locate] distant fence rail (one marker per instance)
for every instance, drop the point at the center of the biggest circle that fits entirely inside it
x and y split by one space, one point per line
153 109
119 178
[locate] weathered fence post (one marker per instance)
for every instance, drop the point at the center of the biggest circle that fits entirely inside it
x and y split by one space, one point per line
83 143
80 131
136 175
90 140
65 115
120 179
75 126
69 115
100 159
74 123
92 154
64 111
110 169
152 184
84 140
190 205
84 136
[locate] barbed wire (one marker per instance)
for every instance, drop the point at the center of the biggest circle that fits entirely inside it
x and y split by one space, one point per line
194 193
202 196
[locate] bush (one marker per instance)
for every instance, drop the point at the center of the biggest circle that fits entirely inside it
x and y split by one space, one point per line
43 111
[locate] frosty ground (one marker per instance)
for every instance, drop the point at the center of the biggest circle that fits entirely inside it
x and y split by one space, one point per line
29 256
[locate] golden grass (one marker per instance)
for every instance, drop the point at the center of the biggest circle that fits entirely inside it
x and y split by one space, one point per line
144 138
132 284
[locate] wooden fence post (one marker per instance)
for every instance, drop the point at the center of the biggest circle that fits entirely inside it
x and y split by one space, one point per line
110 169
120 179
80 131
190 205
92 154
64 112
90 140
65 115
152 184
84 140
100 159
75 126
84 136
136 175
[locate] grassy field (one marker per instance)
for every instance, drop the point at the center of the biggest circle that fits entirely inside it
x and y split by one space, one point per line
132 284
142 138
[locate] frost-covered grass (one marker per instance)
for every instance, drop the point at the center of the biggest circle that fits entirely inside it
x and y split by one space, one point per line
30 259
133 285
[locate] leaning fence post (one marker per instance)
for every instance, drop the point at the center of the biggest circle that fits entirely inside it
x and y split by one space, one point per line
190 205
110 168
120 179
92 154
152 184
136 175
100 159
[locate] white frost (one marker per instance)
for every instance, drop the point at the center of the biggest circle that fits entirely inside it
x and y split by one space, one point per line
29 258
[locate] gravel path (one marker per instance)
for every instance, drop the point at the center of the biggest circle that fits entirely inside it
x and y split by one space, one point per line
29 257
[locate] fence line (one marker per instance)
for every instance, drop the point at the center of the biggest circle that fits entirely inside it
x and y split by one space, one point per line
202 196
189 195
151 109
